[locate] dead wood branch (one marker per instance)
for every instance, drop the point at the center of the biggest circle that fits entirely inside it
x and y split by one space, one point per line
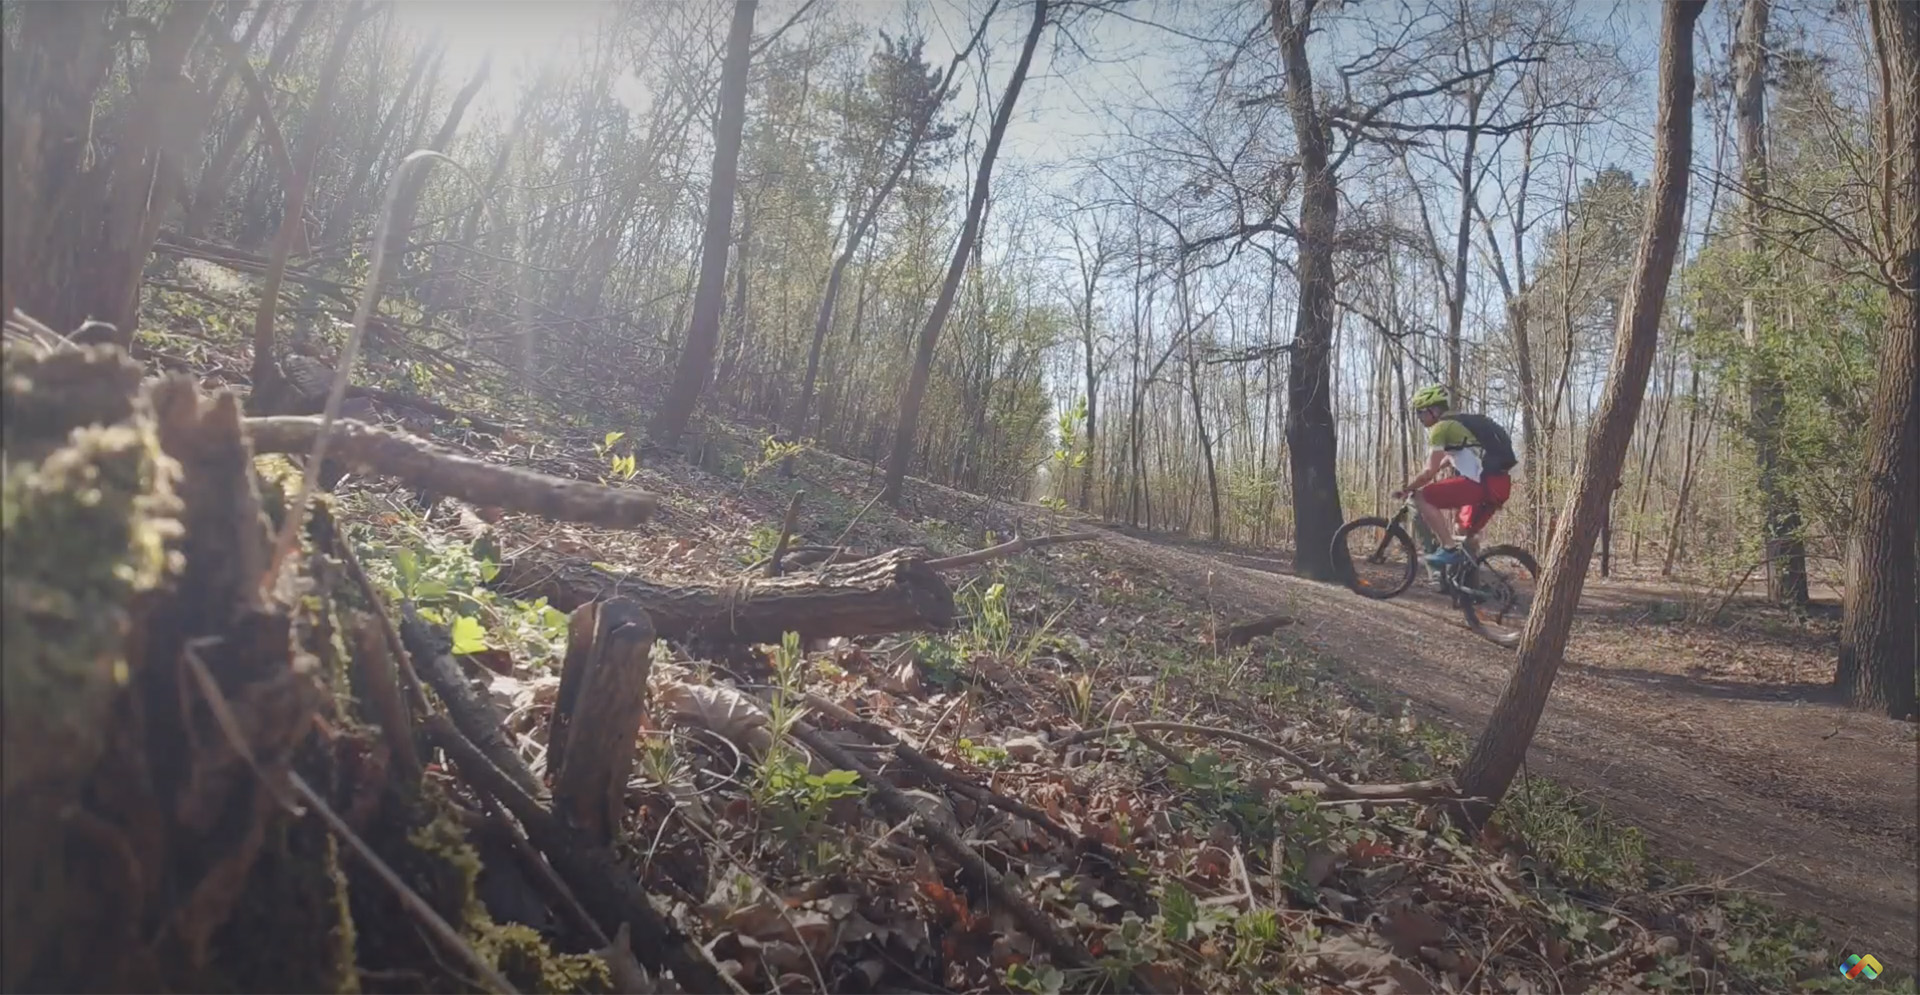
596 720
1245 632
1266 746
1007 549
1324 784
376 679
786 535
1408 791
475 717
605 888
424 465
440 411
891 592
436 925
543 876
895 805
938 773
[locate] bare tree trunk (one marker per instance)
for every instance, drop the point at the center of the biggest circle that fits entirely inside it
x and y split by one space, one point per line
407 201
223 81
1689 462
314 133
340 219
1652 456
1786 557
212 184
1878 641
52 191
1496 757
1311 444
147 164
731 361
1199 414
1457 299
703 330
915 391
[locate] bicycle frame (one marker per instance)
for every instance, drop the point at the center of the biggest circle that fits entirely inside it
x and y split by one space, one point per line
1454 579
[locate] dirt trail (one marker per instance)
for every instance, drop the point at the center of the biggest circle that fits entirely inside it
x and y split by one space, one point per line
1807 802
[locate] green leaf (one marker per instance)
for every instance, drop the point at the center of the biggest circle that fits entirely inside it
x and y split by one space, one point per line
430 590
1045 980
489 570
469 636
408 563
1179 911
613 437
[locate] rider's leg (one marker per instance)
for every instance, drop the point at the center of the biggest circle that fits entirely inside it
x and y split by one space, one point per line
1437 501
1496 488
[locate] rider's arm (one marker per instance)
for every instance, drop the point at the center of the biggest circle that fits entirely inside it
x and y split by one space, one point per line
1436 459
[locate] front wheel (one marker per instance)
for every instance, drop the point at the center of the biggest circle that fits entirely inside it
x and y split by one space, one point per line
1498 596
1374 557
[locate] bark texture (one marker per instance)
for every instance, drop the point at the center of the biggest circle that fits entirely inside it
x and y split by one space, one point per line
1786 556
1496 756
1878 641
892 592
596 719
1311 444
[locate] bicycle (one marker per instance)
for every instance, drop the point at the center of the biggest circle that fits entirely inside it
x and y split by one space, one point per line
1494 591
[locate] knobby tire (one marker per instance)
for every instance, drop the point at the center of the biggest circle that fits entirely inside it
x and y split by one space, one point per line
1390 534
1471 608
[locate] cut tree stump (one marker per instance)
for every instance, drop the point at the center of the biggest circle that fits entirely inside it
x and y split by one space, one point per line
596 720
891 592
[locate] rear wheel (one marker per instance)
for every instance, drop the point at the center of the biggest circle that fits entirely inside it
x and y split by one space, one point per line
1374 557
1498 597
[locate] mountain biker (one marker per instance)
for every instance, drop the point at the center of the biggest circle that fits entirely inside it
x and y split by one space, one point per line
1480 452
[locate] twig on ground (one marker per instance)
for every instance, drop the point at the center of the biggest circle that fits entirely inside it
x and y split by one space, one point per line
855 520
1266 746
1603 960
786 534
474 716
424 465
1007 549
938 773
898 807
604 887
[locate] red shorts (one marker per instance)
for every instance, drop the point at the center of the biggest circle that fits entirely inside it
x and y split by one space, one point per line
1476 499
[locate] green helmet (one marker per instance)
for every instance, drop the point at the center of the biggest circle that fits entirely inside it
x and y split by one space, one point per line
1433 395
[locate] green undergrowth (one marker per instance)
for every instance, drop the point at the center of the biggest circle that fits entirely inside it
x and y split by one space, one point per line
445 576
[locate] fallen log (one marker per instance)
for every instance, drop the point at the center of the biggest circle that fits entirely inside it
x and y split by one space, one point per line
425 465
894 591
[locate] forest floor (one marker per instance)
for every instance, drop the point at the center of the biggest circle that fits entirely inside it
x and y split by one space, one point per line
1724 742
1213 855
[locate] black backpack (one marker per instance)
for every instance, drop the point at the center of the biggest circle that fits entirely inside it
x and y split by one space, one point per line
1495 444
